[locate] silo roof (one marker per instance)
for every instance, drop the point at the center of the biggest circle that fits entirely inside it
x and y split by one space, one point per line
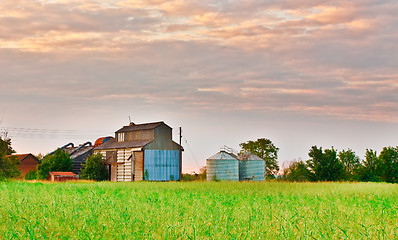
222 155
249 156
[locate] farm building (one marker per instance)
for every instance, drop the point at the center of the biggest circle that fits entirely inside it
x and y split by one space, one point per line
78 154
142 152
251 167
28 163
223 166
62 176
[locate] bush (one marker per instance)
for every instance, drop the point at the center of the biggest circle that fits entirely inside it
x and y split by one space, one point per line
94 169
59 161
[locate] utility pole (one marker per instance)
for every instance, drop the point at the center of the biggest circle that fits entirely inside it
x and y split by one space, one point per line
180 135
180 167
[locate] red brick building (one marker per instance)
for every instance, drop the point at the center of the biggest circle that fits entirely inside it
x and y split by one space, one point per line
28 162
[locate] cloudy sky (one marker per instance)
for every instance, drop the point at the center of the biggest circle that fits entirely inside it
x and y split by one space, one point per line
299 72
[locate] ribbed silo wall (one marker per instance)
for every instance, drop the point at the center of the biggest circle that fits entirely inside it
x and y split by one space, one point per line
161 165
222 169
251 170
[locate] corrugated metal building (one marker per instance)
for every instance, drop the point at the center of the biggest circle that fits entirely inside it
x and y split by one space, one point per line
251 167
223 166
79 155
142 152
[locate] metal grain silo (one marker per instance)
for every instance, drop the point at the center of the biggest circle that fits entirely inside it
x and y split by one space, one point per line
223 166
251 167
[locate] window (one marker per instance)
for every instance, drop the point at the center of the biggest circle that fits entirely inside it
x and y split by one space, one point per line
120 137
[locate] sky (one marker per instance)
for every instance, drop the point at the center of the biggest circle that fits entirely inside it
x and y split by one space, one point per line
298 72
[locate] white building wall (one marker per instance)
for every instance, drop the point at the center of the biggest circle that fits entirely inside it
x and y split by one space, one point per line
124 165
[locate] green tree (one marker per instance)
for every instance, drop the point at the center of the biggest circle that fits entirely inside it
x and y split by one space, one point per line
94 169
369 170
351 164
266 150
324 165
5 144
297 172
389 164
59 161
8 164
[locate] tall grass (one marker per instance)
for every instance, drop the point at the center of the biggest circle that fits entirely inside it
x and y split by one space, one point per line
198 210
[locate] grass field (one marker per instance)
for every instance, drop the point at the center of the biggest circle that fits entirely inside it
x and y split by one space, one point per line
198 210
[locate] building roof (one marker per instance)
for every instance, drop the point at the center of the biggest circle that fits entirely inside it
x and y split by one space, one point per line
137 127
249 156
223 155
77 151
63 173
22 157
113 144
101 140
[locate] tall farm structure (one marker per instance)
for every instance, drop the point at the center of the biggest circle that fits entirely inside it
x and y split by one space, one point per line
142 152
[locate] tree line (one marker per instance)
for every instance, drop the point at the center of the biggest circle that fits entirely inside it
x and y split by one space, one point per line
345 165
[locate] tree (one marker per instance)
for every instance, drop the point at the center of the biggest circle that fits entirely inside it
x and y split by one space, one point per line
297 172
368 172
351 164
389 164
5 144
266 150
59 161
94 169
324 166
8 164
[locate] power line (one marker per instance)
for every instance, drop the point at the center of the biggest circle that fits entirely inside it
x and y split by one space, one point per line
41 133
190 150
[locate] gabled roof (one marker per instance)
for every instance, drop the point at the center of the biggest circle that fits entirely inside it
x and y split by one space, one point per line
22 157
137 127
112 144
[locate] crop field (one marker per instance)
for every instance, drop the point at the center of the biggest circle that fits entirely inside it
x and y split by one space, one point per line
198 210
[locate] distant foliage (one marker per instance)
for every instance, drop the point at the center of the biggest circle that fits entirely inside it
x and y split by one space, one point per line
8 164
201 176
327 165
266 150
5 144
94 169
297 172
59 161
324 165
351 165
369 171
389 164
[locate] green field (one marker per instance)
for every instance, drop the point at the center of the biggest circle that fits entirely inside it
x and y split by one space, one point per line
198 210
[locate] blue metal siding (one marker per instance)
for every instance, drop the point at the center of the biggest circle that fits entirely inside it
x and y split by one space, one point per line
161 165
222 169
252 170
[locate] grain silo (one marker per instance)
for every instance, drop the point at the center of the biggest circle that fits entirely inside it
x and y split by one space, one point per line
251 167
223 166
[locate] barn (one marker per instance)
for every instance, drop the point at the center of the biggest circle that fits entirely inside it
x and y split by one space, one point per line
142 152
28 163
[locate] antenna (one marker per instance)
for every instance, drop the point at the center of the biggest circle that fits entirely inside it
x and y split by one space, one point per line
129 120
